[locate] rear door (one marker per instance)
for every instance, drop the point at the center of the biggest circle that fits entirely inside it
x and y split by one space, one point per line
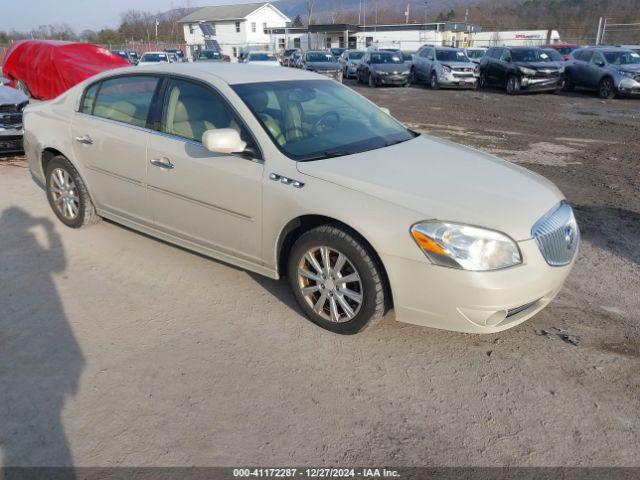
595 70
210 199
110 141
580 69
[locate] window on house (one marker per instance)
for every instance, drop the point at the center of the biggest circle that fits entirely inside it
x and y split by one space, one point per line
296 43
191 29
264 26
237 27
235 52
253 27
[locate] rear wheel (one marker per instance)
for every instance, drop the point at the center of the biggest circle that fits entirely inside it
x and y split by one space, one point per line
513 85
568 85
68 195
606 89
336 280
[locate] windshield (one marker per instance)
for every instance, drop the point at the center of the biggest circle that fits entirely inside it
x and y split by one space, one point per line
554 55
622 58
209 55
154 57
356 55
475 53
529 55
408 55
262 57
320 57
451 56
316 119
288 53
386 57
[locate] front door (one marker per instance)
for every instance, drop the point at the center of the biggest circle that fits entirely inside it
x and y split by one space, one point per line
110 142
213 200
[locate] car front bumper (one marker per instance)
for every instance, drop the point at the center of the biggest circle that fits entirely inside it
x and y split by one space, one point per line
540 84
391 79
473 302
454 81
629 86
11 140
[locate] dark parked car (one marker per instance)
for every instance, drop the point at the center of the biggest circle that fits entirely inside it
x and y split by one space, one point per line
12 103
520 69
208 56
180 56
336 52
610 71
322 62
383 68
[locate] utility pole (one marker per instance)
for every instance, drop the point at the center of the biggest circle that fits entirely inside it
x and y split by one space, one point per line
426 4
604 29
599 30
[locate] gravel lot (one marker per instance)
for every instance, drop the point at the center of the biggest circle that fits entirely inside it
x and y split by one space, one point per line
117 349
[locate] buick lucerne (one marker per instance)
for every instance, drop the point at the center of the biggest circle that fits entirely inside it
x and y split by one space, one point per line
288 173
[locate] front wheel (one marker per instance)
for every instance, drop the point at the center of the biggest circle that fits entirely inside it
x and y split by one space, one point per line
433 83
482 81
513 85
336 280
68 195
606 89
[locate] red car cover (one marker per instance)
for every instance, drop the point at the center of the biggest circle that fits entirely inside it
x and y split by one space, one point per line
51 67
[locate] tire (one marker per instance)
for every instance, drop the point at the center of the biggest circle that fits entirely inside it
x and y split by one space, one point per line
606 90
482 81
77 210
433 81
372 81
412 76
358 77
367 298
513 85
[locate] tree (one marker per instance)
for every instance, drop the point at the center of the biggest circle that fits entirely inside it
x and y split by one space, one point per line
297 22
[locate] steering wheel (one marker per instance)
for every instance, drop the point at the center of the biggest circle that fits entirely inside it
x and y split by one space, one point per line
324 122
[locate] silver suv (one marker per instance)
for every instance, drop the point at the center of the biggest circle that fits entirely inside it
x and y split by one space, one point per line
444 67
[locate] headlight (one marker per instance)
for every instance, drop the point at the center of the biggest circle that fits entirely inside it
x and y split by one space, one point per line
406 72
626 74
446 69
527 71
465 247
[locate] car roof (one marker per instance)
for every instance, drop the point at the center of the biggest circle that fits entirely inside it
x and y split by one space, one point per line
155 53
231 73
448 48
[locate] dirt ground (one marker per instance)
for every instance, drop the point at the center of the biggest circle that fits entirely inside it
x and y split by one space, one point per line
117 349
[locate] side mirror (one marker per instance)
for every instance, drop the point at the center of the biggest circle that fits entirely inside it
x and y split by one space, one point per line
600 63
4 82
508 59
223 140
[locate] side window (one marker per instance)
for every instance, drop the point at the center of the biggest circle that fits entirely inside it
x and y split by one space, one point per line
89 99
585 55
431 54
506 55
191 109
597 58
497 53
126 99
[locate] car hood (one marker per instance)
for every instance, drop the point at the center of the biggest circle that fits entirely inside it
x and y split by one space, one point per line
460 64
11 96
441 180
323 65
389 67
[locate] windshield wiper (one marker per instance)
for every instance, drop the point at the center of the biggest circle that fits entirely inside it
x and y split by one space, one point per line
328 154
395 142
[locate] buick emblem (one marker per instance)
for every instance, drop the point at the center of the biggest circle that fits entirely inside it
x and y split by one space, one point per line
569 237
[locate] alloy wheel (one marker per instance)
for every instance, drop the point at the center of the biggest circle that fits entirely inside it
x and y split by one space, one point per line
330 284
64 194
605 88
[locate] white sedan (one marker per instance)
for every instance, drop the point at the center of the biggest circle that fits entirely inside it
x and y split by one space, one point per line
263 59
287 173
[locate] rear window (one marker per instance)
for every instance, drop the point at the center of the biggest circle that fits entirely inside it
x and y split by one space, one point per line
126 99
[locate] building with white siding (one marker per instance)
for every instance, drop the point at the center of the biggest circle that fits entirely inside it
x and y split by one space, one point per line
232 28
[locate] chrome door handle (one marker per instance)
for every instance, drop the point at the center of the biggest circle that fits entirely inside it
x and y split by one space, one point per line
162 163
85 139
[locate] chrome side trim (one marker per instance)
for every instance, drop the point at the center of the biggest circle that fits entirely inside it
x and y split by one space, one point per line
201 203
114 175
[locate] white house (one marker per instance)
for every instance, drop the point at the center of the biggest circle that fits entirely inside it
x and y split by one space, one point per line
232 28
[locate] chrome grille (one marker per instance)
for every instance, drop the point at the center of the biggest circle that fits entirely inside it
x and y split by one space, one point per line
557 235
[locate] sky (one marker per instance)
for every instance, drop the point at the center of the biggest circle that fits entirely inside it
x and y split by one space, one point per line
25 15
